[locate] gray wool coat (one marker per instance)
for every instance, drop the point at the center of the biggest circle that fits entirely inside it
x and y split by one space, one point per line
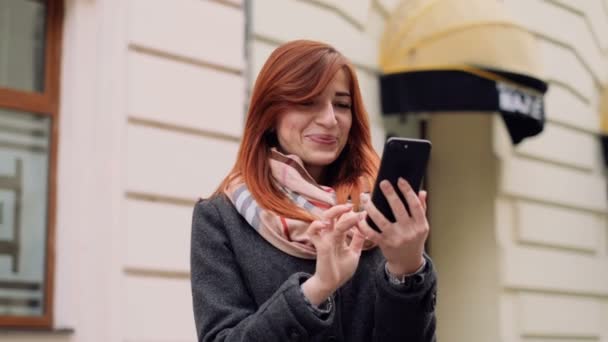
245 289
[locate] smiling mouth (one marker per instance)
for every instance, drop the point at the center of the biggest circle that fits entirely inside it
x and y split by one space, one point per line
323 139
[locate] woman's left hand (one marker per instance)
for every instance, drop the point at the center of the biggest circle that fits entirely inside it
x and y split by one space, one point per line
401 242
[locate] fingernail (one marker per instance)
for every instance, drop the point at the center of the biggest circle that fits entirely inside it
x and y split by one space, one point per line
364 198
384 184
401 181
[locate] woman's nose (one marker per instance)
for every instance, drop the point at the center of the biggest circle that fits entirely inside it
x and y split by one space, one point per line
327 115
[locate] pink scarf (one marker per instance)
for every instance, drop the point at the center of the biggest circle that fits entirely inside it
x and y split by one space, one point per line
288 235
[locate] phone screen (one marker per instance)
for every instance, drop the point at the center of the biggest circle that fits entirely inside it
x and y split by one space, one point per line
405 158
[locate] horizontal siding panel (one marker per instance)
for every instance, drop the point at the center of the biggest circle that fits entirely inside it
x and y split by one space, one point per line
185 95
552 25
354 10
158 236
557 339
178 165
304 20
261 52
375 24
206 31
555 184
563 106
562 145
553 226
389 5
596 16
527 267
158 309
560 316
575 76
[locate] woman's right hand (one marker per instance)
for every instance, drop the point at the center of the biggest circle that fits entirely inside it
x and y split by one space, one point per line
337 259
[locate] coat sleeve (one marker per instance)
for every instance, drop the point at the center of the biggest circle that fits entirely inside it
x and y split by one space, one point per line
224 310
406 314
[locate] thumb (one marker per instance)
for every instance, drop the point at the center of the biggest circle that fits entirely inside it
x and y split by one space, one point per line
316 227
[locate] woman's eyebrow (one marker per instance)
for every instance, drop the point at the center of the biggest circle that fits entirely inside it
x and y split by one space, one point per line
341 93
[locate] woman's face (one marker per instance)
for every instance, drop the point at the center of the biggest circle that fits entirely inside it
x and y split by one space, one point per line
317 131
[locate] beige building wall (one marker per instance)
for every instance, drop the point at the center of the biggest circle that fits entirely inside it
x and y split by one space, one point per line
520 233
153 100
552 194
184 117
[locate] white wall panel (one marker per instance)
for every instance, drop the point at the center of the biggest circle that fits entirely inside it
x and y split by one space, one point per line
546 182
563 106
158 236
560 316
596 16
175 93
528 267
553 26
554 226
285 20
562 65
205 31
356 11
158 309
175 164
562 145
260 53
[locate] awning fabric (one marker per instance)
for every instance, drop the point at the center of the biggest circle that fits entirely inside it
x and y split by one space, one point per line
462 55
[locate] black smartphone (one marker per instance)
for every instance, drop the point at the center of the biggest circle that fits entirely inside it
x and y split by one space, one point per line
405 158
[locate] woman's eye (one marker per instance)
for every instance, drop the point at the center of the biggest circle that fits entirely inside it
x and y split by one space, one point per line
343 105
307 103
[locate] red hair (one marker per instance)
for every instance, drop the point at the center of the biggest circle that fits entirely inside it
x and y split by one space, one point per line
297 72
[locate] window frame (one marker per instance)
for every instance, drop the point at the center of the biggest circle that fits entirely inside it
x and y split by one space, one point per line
44 103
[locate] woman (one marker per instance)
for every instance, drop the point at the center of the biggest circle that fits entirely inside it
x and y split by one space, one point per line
282 250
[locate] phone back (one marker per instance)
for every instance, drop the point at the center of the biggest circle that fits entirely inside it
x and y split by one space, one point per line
406 158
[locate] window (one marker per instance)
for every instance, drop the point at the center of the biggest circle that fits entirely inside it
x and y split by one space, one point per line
30 39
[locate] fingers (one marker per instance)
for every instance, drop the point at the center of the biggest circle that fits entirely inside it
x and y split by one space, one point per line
394 201
336 211
412 200
346 222
368 232
356 244
316 227
374 213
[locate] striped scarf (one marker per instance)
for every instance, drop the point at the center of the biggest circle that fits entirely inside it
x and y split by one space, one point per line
286 234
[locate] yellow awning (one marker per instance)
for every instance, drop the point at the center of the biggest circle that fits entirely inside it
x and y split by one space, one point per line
450 34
